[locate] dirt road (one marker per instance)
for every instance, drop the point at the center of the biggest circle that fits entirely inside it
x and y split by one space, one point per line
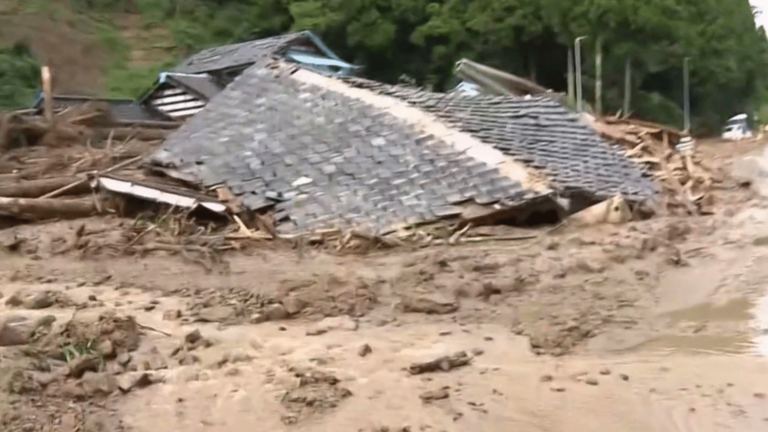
649 326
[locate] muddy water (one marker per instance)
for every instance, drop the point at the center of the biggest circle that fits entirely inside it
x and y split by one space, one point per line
738 326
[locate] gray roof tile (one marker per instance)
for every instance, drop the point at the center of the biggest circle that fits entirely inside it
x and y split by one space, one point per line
539 132
273 136
227 56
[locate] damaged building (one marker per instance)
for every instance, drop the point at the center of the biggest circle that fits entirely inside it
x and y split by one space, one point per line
187 88
319 150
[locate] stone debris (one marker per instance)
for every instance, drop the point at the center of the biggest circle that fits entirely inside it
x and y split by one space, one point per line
433 395
443 363
332 323
431 304
364 350
15 330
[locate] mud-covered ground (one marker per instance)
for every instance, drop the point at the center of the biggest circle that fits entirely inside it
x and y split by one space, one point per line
648 326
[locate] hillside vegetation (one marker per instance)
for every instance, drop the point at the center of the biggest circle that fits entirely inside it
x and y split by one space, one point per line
422 38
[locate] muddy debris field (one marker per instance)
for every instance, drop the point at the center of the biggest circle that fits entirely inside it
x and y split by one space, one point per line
118 323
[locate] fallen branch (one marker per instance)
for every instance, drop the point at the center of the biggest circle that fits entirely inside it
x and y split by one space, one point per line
145 327
444 363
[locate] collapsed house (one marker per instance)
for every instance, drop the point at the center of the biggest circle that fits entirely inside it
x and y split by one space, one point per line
189 86
322 151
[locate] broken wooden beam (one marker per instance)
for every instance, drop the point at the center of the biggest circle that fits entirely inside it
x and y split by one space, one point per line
444 363
36 188
35 209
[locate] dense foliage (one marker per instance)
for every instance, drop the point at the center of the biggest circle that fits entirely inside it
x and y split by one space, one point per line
423 39
19 76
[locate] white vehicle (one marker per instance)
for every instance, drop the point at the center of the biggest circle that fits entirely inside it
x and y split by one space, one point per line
737 129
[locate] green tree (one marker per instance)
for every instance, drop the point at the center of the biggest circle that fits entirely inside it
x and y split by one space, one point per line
19 77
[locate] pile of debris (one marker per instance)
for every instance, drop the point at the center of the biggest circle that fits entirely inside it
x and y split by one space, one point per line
46 163
686 180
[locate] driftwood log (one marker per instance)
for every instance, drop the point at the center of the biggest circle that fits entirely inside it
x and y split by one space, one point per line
444 363
41 209
36 188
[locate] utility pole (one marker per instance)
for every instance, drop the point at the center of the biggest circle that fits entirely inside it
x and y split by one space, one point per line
686 97
577 45
627 84
571 98
599 75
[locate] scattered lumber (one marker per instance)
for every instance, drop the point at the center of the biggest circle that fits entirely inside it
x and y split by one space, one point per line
686 180
36 209
40 187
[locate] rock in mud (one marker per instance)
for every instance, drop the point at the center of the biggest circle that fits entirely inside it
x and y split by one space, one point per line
193 337
136 380
317 392
605 371
546 378
98 384
591 381
15 300
15 330
171 315
99 422
123 359
258 318
216 314
153 361
46 378
40 300
332 323
188 359
477 352
364 350
432 304
106 348
82 364
275 312
557 388
294 305
624 377
433 395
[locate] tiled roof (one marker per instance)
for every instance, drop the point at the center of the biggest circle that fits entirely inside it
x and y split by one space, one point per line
327 159
538 131
234 55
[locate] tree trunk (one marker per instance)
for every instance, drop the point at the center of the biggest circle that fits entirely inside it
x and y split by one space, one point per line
571 98
599 75
38 188
41 209
627 85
